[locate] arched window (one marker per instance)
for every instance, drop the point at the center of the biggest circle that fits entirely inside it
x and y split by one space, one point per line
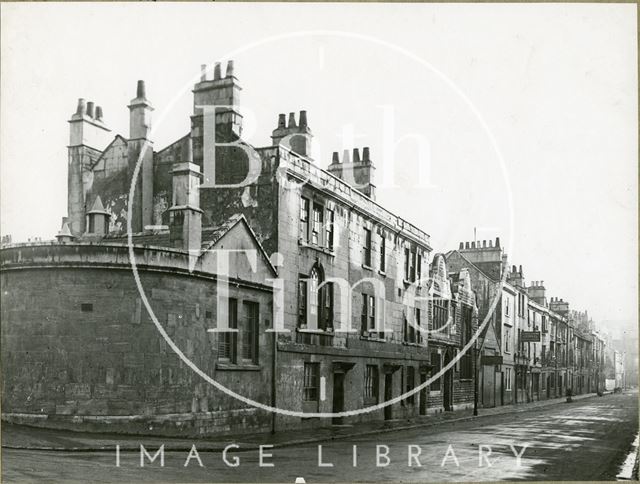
315 300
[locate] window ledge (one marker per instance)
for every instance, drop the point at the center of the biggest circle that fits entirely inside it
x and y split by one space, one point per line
318 248
382 273
315 331
237 367
373 338
365 266
409 343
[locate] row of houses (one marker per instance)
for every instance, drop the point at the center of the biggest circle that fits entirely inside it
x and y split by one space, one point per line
534 346
284 283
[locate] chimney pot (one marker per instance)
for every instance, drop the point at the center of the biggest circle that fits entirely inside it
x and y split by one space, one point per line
82 107
282 121
216 71
99 113
365 154
141 91
466 245
461 245
229 72
521 269
90 112
473 245
335 158
303 119
356 155
292 120
203 72
497 241
513 268
484 243
346 158
491 243
542 283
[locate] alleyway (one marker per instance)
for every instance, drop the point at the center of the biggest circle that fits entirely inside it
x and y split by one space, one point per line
585 440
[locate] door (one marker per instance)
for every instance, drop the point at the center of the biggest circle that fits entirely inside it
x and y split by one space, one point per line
447 385
338 396
488 386
388 395
423 395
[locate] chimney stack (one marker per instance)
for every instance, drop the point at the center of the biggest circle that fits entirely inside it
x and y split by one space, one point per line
296 137
185 215
139 147
217 75
85 133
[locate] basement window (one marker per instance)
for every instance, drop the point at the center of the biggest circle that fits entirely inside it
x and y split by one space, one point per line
86 307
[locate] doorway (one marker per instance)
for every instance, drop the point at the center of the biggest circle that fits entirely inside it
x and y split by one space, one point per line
423 395
447 390
338 396
388 395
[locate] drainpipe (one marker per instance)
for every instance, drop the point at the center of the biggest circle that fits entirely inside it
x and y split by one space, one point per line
273 381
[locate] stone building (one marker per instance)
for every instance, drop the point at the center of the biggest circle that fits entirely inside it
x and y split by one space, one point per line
81 350
356 318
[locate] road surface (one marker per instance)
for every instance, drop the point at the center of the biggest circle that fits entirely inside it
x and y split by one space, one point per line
584 440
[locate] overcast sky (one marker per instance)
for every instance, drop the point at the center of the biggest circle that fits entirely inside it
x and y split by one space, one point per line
525 116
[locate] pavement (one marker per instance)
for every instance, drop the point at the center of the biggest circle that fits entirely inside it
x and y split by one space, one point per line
587 440
34 438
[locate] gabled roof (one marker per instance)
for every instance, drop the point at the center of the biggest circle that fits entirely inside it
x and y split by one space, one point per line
106 150
211 236
98 207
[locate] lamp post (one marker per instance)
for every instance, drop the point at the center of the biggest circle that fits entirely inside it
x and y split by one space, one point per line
475 379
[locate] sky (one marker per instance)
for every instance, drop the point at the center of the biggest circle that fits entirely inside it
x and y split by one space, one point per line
516 120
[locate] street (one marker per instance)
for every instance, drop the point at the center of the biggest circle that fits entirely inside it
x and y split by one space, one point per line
584 440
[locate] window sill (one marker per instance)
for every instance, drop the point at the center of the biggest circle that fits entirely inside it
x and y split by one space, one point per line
237 367
318 248
365 266
409 343
408 282
373 338
315 331
382 273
